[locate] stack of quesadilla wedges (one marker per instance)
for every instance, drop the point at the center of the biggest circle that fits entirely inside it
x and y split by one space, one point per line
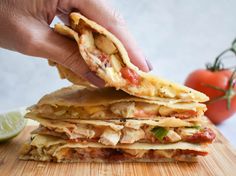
135 118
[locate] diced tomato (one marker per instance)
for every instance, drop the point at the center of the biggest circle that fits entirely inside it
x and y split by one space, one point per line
103 57
186 114
204 135
166 139
130 75
142 113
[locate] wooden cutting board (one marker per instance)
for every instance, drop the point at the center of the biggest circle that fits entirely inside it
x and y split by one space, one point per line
221 161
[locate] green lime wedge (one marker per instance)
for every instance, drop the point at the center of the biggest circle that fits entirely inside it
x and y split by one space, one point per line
11 124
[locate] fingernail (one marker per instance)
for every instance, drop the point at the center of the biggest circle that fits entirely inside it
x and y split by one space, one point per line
149 65
94 79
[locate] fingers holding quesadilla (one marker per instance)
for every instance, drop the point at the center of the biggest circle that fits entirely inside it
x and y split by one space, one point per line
107 57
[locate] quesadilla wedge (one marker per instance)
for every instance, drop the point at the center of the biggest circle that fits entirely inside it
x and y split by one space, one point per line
108 103
50 148
114 132
106 56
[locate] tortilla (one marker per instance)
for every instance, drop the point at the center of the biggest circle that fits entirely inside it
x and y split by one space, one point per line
107 57
108 103
48 148
65 73
113 132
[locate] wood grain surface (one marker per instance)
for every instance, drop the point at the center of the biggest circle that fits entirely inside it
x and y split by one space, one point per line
221 161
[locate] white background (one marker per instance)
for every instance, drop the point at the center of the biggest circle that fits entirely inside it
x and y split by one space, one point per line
176 36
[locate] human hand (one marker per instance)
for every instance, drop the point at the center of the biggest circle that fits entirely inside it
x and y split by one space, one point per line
25 28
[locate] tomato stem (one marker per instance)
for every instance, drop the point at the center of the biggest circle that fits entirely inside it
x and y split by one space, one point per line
216 99
228 94
214 87
218 64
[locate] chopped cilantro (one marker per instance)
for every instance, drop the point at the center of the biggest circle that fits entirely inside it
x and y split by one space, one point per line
159 132
195 126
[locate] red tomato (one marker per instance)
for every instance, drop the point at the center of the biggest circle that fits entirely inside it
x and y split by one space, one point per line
130 75
201 80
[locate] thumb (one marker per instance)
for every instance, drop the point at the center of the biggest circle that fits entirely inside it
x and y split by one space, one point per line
62 51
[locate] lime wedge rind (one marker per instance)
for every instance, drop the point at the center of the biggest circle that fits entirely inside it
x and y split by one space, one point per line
11 124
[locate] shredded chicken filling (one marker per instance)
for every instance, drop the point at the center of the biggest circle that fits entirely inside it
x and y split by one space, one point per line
121 109
105 54
126 134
